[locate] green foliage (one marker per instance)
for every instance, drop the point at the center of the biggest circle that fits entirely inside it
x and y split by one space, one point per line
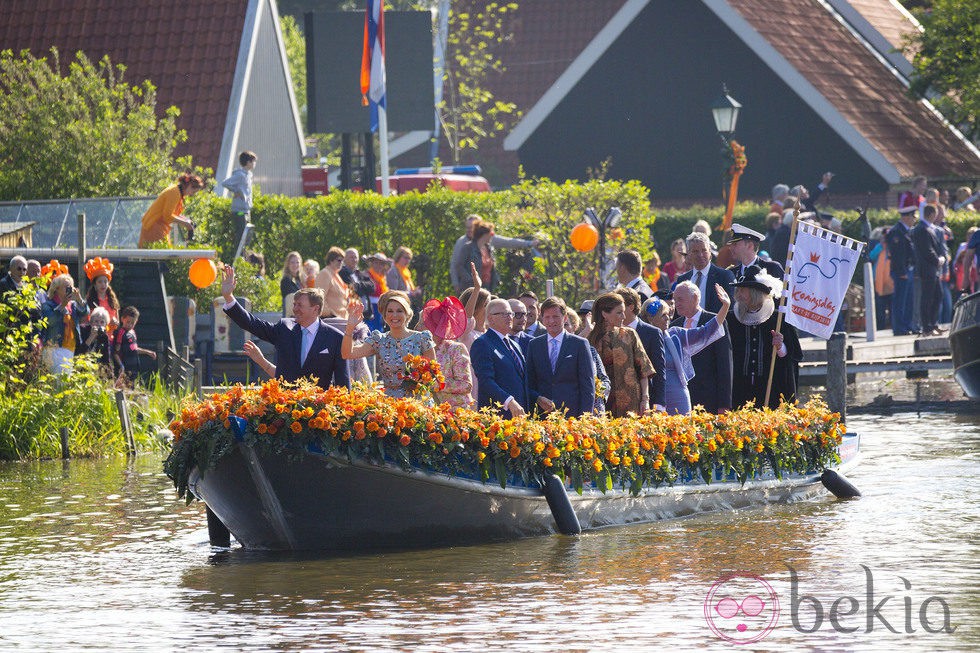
85 134
469 111
946 60
295 45
35 405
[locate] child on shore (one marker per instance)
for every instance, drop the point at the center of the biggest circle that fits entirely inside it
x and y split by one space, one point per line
240 185
125 351
95 340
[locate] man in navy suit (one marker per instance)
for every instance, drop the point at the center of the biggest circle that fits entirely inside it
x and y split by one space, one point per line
704 274
745 245
712 383
305 344
530 301
652 339
500 367
517 331
930 256
559 365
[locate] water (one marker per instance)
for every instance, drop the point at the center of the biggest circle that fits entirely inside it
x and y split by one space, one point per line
100 555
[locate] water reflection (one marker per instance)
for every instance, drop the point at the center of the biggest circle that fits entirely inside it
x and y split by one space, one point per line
84 543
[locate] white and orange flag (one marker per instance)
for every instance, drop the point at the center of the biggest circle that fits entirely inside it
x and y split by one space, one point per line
821 269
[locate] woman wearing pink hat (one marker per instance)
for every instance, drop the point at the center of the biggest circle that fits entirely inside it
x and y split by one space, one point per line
446 320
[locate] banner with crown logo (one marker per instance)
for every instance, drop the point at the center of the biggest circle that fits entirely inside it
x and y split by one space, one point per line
821 269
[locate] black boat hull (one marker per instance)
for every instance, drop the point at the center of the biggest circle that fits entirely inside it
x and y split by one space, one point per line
964 344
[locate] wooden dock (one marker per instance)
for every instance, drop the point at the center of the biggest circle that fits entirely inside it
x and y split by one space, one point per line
911 356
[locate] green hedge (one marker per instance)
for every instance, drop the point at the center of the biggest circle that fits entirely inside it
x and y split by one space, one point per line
429 223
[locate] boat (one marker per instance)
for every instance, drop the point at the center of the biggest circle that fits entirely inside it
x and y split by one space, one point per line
964 344
326 501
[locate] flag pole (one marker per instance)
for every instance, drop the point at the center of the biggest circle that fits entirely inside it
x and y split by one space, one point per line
383 140
782 300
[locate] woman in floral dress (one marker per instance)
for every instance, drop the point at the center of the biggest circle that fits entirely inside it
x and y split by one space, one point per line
622 354
391 347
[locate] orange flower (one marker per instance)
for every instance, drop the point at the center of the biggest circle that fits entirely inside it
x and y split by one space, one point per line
296 427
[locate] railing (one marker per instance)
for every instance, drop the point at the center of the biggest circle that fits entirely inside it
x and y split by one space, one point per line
110 221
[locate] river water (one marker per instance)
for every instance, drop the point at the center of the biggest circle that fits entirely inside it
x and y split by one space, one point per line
101 555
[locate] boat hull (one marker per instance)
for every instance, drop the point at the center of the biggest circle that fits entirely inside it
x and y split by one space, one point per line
964 344
320 502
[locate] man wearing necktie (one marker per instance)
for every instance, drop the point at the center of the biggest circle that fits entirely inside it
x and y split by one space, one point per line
704 274
306 346
499 365
560 366
711 386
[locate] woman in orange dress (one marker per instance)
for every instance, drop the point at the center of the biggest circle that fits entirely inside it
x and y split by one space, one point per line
168 208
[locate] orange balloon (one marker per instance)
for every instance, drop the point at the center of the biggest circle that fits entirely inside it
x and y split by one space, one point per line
584 237
202 272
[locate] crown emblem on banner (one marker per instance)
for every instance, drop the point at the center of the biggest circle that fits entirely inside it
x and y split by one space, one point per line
814 257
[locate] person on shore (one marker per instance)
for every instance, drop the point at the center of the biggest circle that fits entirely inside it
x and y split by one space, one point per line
14 278
292 276
167 209
622 354
306 346
711 386
240 185
459 262
336 293
359 282
311 268
399 277
902 252
100 293
752 327
481 254
682 343
446 320
378 266
677 264
95 340
392 346
500 367
64 311
559 365
930 256
125 348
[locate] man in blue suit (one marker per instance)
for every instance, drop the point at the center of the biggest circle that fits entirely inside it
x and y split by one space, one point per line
500 367
517 332
704 274
652 339
711 386
560 367
305 344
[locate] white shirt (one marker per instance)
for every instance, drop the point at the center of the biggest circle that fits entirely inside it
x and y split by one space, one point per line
505 337
694 319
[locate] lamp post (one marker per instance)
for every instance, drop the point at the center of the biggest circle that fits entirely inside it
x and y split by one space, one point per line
725 112
611 220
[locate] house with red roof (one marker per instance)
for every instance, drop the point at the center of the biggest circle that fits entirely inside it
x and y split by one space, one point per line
221 62
822 83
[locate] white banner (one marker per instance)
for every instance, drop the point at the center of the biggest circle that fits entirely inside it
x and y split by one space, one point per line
822 266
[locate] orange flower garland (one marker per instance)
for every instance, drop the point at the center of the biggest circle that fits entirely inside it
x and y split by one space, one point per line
630 452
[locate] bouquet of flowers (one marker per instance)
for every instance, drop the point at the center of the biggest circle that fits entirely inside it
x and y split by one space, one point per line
421 376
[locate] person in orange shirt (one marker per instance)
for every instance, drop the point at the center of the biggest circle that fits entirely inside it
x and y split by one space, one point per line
168 208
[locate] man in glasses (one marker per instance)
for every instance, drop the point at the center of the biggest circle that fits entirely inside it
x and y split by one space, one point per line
14 279
499 365
519 324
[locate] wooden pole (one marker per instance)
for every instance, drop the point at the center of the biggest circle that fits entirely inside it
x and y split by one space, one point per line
782 301
63 432
80 280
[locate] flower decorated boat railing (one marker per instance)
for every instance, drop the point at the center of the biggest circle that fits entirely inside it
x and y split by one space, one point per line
298 467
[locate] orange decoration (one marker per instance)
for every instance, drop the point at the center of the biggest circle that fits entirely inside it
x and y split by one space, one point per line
54 268
584 237
202 272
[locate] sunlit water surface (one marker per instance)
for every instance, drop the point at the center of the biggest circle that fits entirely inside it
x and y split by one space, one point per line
100 555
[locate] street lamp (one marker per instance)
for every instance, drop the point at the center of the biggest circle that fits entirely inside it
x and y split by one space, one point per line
725 112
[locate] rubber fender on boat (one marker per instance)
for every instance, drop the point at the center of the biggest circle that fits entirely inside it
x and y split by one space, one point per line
218 533
561 506
839 486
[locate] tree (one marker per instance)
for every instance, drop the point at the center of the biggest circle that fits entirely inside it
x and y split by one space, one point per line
85 134
295 44
946 62
469 112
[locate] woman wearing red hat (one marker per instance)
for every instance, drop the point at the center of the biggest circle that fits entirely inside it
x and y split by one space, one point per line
446 320
100 293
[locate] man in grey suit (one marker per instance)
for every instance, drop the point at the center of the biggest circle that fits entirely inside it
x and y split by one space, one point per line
559 365
711 386
305 344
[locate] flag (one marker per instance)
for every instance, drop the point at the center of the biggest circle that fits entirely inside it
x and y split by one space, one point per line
373 60
821 270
